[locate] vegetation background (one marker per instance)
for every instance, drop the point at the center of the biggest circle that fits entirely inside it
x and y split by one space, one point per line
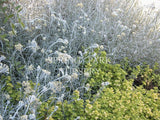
78 59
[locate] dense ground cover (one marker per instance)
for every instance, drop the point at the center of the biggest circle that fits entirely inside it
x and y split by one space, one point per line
76 59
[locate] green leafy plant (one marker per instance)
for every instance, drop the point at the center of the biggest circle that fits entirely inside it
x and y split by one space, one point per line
109 103
118 100
12 89
144 74
101 71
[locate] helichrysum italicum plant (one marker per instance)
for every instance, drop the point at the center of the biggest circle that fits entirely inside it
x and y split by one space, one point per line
46 73
122 26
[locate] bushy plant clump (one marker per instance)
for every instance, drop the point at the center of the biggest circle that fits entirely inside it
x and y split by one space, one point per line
113 95
109 103
124 27
109 93
102 72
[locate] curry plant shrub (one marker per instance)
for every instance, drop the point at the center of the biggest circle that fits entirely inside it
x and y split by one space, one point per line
41 78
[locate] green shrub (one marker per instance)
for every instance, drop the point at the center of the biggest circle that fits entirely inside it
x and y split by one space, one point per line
66 110
143 74
118 100
101 71
13 90
112 104
129 103
146 76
